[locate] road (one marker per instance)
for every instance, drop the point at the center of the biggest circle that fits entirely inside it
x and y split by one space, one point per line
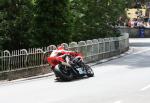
122 80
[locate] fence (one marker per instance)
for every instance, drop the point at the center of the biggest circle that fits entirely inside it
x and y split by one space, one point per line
92 50
134 32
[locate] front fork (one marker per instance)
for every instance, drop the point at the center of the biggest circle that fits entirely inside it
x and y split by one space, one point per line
83 69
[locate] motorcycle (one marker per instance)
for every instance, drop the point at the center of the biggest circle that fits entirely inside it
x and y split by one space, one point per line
76 68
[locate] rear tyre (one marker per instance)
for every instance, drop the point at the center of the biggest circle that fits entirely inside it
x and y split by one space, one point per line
63 73
89 71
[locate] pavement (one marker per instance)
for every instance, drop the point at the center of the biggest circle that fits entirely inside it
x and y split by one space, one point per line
121 80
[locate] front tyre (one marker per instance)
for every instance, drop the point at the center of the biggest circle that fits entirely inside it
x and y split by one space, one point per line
63 73
89 71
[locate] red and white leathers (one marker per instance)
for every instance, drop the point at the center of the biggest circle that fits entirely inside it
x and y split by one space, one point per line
61 53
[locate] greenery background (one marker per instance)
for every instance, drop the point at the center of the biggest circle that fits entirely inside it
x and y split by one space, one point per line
38 23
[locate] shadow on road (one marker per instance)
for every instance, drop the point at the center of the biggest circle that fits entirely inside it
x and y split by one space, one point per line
135 60
140 61
74 80
139 44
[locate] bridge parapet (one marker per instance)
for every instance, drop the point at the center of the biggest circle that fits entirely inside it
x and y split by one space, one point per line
134 32
31 62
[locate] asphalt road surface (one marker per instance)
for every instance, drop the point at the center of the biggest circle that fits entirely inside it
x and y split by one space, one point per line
122 80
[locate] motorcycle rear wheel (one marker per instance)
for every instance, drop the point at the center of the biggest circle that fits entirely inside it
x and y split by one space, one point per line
62 73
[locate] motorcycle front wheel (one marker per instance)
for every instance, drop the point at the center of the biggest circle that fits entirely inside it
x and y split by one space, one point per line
89 71
63 73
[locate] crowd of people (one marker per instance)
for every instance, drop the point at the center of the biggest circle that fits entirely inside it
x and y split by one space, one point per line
133 23
140 19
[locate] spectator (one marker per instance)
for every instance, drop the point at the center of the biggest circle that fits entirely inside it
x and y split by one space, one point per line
141 32
129 23
135 22
140 23
132 23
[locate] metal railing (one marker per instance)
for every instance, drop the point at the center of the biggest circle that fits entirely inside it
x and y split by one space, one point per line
92 50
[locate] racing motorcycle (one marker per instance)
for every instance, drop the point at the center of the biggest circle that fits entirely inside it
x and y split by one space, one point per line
76 68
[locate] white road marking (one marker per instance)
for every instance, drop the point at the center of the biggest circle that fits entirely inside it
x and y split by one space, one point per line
118 102
140 51
145 88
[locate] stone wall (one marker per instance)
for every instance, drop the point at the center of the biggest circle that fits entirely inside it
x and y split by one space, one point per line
24 73
92 50
134 32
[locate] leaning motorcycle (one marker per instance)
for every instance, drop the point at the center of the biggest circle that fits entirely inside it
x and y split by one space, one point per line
64 71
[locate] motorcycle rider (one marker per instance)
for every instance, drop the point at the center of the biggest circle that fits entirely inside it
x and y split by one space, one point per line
67 65
66 55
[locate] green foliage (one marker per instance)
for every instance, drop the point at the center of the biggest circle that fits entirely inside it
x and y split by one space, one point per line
36 23
96 18
51 22
15 17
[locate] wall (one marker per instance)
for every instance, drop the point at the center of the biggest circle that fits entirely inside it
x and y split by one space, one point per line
26 63
134 32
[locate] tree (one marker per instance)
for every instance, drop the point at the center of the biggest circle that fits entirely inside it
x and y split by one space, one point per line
15 18
51 22
57 21
78 10
96 18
